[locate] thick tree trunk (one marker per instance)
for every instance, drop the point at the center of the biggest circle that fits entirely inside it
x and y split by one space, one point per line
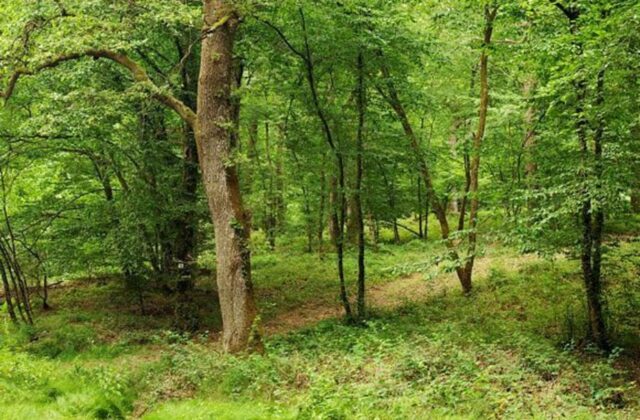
220 179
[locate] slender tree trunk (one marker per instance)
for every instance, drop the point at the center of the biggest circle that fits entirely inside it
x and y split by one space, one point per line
45 292
465 154
474 172
420 208
270 219
591 216
438 207
186 224
635 199
359 216
426 217
7 294
465 195
220 178
594 280
321 210
530 131
20 289
306 204
339 207
396 232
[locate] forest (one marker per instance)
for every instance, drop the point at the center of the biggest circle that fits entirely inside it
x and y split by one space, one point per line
319 209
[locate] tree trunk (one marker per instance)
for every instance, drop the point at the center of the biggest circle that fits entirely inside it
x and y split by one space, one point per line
220 178
635 200
270 214
426 217
8 294
186 224
359 217
593 279
529 142
337 236
420 204
396 232
438 207
321 210
338 186
474 172
591 217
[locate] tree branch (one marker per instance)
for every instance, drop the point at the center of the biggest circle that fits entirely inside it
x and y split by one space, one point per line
137 72
570 12
284 39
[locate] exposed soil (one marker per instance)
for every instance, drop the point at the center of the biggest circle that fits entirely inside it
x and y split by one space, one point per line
396 293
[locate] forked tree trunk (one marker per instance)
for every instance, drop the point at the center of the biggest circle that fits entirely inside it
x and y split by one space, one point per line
220 178
474 170
465 269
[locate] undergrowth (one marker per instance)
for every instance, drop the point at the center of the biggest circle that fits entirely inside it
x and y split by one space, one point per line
515 348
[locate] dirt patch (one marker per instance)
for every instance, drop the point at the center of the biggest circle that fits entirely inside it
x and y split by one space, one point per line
395 293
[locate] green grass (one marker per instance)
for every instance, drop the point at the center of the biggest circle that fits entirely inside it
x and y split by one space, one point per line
513 349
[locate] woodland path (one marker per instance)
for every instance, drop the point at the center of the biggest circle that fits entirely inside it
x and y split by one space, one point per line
392 294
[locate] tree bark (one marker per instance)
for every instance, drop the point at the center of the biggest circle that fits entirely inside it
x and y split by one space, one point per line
321 209
186 225
490 14
8 294
591 216
594 280
359 216
220 178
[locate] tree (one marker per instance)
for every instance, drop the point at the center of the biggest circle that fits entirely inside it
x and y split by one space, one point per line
213 127
463 266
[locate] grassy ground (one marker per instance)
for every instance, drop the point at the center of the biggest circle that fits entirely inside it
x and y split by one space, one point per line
513 349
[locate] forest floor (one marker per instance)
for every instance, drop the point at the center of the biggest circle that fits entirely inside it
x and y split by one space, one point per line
513 349
389 295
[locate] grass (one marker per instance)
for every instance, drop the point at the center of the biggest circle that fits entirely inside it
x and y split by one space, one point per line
513 349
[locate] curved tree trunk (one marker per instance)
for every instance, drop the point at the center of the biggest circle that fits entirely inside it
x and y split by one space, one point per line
474 171
220 178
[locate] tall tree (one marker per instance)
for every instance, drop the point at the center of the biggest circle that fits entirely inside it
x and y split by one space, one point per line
213 127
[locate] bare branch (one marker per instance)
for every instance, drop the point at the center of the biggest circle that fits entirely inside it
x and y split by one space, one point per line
570 12
284 39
